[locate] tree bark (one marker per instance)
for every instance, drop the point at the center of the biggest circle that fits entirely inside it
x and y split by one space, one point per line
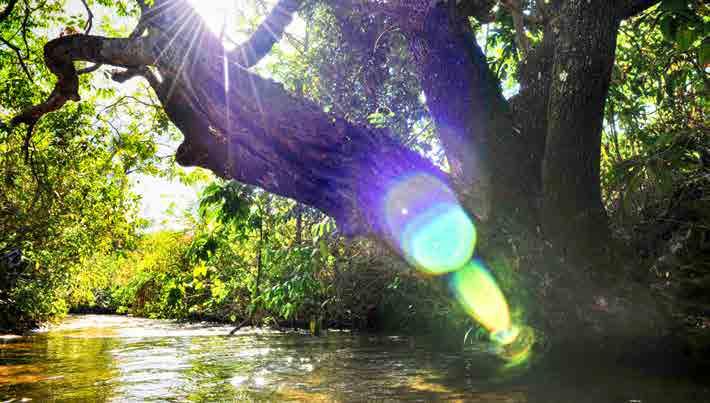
541 150
488 159
574 216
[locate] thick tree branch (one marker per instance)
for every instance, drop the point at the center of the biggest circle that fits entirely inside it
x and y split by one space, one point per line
267 34
473 119
263 136
246 128
60 55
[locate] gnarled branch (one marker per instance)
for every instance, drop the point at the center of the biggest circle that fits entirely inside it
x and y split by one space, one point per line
245 128
60 55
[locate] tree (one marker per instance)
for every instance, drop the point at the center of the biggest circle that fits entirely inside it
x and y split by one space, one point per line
64 200
532 160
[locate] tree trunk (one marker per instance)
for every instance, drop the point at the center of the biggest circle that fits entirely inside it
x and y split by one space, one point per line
495 173
574 216
259 262
497 153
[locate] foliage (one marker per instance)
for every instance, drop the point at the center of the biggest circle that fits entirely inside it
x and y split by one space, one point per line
656 158
65 190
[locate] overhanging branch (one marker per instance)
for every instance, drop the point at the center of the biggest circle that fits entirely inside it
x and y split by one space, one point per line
60 55
245 128
267 34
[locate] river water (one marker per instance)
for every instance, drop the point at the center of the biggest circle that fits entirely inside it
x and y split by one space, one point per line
115 358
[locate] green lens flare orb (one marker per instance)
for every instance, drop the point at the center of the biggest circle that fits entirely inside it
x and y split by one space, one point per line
518 350
429 225
506 336
480 295
440 240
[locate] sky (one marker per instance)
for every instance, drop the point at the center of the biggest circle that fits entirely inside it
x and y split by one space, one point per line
163 200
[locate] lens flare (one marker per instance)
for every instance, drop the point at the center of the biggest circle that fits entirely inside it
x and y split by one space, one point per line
424 217
480 295
433 232
506 336
518 349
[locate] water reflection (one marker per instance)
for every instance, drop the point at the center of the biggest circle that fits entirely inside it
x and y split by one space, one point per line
109 358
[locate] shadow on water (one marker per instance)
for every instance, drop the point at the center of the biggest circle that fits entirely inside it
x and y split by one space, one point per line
113 358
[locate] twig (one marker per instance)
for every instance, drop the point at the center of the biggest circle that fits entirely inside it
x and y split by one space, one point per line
89 19
20 58
239 326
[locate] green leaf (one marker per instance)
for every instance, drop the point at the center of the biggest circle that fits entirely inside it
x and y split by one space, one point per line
704 54
323 248
199 271
684 38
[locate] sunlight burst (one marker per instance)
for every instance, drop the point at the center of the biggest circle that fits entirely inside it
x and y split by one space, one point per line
219 15
235 20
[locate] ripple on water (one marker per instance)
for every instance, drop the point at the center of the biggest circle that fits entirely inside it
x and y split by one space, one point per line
113 358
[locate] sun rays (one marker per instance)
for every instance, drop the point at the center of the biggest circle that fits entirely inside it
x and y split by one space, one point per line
219 15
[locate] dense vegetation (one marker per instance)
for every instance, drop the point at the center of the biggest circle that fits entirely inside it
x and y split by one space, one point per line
71 236
246 262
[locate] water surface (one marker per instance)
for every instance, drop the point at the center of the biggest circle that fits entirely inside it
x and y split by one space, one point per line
115 358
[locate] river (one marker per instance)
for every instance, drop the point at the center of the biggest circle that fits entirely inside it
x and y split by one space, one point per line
124 359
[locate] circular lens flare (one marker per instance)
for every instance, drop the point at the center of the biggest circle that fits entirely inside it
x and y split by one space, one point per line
426 220
480 295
